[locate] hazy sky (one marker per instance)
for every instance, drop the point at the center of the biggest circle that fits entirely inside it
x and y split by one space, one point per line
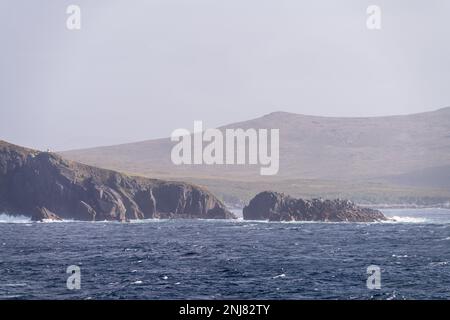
140 69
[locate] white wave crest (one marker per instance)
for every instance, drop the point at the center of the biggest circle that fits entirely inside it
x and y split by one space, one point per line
408 219
56 221
6 218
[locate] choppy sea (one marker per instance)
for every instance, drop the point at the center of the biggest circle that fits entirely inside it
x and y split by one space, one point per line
206 259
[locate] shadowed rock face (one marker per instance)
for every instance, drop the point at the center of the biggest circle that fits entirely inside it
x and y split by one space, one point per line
45 186
275 206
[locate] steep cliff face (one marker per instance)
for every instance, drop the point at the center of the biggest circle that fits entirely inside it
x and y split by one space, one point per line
45 186
275 206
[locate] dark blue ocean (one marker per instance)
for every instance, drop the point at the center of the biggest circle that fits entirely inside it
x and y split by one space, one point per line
198 259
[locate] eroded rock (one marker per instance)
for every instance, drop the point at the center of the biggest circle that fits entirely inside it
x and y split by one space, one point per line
276 206
45 186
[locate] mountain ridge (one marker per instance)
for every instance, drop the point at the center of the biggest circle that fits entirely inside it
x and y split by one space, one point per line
274 113
349 150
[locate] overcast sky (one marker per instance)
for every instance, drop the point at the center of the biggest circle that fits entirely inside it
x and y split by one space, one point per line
140 69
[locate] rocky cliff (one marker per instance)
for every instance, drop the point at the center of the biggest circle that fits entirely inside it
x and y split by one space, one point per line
275 206
46 186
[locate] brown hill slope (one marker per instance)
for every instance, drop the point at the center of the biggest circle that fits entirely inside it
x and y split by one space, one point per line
365 159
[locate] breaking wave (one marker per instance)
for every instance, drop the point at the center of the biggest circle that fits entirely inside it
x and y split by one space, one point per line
6 218
408 219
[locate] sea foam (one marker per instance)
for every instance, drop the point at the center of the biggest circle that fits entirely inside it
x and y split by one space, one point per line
408 219
6 218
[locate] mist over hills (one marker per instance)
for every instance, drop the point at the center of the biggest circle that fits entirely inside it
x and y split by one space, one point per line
391 159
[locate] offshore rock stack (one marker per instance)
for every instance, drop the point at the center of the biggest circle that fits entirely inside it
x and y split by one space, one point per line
274 206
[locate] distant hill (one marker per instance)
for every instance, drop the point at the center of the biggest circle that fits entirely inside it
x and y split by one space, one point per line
388 159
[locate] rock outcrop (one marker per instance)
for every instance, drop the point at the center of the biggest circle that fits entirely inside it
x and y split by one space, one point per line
43 185
275 206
